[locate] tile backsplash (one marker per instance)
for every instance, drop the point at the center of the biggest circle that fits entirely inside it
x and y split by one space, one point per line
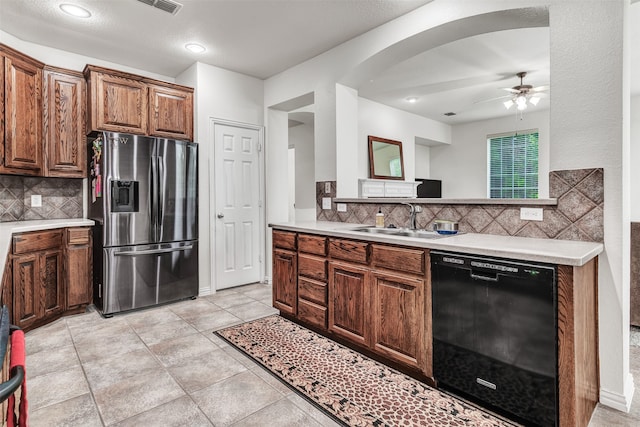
577 216
61 198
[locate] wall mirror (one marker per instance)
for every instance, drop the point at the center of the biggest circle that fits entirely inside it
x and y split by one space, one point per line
385 159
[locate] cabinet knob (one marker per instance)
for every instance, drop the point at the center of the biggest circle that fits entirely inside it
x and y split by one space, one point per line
220 215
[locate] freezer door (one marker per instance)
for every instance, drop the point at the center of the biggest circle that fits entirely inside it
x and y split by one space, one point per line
177 190
146 275
127 162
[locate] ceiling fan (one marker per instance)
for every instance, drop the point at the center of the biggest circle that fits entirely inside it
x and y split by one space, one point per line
523 94
520 95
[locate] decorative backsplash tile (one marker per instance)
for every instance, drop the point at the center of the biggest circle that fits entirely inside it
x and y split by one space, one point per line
61 198
577 216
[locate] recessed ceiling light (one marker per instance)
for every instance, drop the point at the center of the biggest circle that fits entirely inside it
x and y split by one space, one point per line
195 47
73 10
412 99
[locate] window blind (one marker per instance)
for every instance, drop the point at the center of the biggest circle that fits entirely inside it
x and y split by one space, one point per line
513 166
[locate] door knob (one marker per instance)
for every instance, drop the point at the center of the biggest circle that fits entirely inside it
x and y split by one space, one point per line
220 215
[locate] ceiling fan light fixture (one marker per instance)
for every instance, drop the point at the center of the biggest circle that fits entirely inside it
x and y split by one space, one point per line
534 100
522 107
520 101
508 104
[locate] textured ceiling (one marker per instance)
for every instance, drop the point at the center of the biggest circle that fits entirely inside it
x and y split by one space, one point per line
255 37
462 76
263 37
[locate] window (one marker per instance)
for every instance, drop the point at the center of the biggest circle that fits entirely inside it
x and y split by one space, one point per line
513 165
395 166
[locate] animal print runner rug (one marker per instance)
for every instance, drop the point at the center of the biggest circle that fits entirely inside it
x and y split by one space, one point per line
350 387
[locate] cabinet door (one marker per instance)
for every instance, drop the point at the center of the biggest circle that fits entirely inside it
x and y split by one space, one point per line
170 112
77 271
349 302
118 104
398 318
22 117
26 289
52 294
64 115
285 273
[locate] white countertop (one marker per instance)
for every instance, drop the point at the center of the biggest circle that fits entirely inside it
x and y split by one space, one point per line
9 228
563 252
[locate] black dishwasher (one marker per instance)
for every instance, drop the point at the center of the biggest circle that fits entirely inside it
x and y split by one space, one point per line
495 334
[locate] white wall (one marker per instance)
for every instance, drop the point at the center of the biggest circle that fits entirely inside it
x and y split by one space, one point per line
301 137
462 166
589 128
387 122
635 157
423 160
69 60
219 94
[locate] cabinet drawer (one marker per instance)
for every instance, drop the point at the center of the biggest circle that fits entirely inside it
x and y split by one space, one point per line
399 259
36 241
78 236
284 239
312 314
316 245
349 250
312 266
312 291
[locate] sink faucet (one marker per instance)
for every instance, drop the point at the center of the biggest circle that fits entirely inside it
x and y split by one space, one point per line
413 210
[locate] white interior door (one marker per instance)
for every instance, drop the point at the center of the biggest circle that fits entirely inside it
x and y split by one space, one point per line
237 205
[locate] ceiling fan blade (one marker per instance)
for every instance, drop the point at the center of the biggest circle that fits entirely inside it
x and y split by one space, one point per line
493 99
539 88
510 89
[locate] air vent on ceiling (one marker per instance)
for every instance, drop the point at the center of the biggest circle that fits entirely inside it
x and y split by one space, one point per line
168 6
450 114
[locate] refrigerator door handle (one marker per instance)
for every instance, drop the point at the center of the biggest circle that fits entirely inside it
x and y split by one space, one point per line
161 184
153 184
153 251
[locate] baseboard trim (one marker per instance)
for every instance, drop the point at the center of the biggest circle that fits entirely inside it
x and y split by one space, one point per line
620 402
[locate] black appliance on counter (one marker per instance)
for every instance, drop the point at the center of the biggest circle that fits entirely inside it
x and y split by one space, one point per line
429 188
495 334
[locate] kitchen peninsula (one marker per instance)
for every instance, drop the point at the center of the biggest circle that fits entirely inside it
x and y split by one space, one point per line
373 292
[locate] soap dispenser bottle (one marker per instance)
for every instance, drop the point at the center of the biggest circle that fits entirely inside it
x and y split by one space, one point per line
380 219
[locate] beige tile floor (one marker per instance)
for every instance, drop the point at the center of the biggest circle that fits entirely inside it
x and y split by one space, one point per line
165 367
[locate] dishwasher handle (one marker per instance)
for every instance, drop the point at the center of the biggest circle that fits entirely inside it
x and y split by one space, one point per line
483 277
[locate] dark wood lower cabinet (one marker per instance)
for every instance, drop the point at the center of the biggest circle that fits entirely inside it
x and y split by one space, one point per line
397 318
78 272
37 288
49 274
285 274
349 302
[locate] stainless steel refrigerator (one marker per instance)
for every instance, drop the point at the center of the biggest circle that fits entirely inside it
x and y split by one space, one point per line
143 197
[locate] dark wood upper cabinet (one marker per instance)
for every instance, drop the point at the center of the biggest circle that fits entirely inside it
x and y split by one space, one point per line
64 123
171 112
117 102
21 131
123 102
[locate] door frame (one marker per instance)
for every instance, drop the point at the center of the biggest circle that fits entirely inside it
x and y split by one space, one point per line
212 199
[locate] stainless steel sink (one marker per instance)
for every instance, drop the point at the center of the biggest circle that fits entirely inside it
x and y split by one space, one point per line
405 232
